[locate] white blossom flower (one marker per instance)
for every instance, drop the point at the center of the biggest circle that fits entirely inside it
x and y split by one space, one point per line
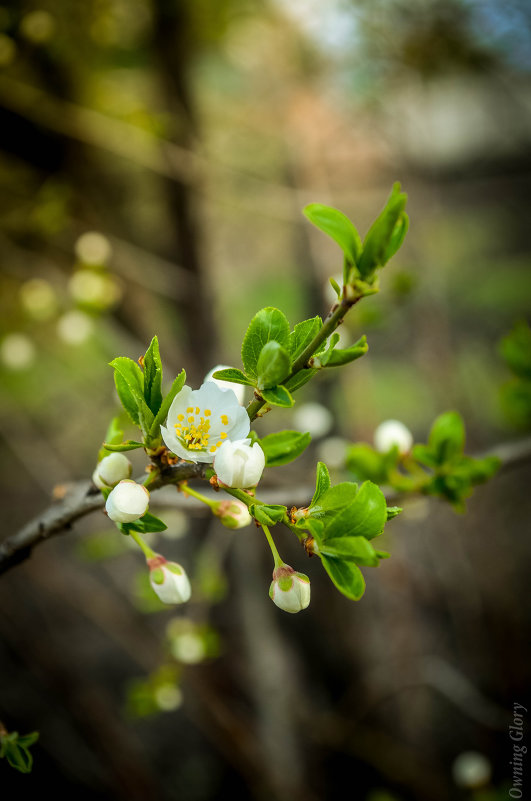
471 770
233 514
200 420
127 502
239 464
113 468
238 389
391 433
290 590
169 580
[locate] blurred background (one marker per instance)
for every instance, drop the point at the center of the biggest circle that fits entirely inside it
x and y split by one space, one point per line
155 156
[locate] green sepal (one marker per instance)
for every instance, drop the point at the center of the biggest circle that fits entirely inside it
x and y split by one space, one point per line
113 435
322 482
385 235
273 366
153 376
345 355
162 413
128 445
234 375
277 396
337 226
283 447
346 575
302 335
267 514
144 525
267 325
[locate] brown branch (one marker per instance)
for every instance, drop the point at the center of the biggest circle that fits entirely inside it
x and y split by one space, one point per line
82 498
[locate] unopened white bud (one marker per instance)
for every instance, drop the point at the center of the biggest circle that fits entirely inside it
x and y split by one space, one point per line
290 590
113 468
391 433
127 502
169 580
239 464
233 514
238 389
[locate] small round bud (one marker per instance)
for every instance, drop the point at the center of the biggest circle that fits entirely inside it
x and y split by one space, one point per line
169 581
127 502
471 770
239 464
113 468
233 514
391 433
289 590
238 389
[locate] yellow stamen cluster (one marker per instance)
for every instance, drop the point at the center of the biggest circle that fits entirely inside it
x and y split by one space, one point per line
195 434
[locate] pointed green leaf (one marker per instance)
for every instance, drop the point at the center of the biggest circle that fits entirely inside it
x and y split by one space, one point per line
120 447
130 386
322 359
353 549
234 375
277 396
322 482
113 435
273 365
365 516
345 355
338 226
347 576
333 500
379 242
283 447
302 335
144 524
299 379
153 376
267 325
162 413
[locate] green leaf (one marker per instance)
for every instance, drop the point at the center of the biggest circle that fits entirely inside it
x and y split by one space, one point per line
130 387
393 511
335 286
338 226
352 549
234 375
447 436
273 366
365 516
128 445
367 463
347 576
113 435
283 447
162 413
144 524
322 482
334 499
267 514
381 238
267 325
322 359
397 237
345 355
153 376
277 396
302 335
299 379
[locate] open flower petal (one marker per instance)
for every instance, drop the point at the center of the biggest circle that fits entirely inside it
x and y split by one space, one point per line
200 420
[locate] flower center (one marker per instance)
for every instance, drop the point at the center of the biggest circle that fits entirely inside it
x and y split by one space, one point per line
194 429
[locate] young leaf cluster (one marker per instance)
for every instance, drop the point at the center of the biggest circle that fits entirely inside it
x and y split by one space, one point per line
16 749
439 467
